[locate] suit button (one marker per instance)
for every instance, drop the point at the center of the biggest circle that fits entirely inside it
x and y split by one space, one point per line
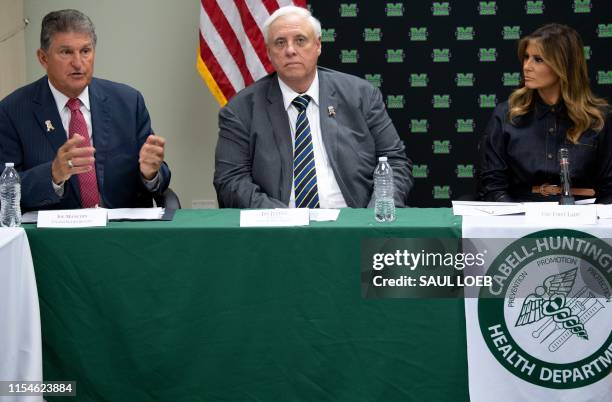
551 130
550 156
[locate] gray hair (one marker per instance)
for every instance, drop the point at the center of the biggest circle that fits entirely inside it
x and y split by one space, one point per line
65 21
292 10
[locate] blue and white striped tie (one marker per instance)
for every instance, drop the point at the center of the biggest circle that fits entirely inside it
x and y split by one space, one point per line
304 171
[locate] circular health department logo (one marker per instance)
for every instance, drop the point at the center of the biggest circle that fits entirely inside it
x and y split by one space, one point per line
548 316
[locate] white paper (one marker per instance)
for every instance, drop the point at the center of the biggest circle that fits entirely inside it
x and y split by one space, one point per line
139 214
29 217
72 218
586 201
540 203
274 217
604 211
480 208
322 215
560 215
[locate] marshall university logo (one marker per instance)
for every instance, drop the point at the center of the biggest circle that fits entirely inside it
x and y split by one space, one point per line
394 9
328 35
374 79
547 316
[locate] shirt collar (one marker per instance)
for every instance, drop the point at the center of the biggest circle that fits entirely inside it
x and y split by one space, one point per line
61 99
289 94
543 108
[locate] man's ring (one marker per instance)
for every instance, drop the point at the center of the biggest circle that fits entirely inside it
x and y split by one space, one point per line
70 165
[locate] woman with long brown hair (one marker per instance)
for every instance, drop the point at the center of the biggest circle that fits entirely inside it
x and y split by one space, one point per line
553 108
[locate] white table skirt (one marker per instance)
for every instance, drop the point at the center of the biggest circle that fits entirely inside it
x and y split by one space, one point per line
20 337
488 380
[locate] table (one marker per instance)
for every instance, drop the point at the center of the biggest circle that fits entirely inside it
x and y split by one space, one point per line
200 309
20 340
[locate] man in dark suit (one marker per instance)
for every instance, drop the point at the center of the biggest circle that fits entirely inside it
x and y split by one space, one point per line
79 141
304 136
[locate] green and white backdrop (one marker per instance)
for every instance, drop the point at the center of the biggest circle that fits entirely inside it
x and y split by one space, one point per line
443 66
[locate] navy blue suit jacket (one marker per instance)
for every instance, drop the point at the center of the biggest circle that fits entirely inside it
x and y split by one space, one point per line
120 126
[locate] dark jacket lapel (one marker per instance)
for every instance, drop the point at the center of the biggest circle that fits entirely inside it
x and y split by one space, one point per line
47 115
100 122
329 108
50 123
282 135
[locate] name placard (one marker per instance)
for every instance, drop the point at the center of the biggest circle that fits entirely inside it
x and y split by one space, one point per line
72 218
561 214
274 217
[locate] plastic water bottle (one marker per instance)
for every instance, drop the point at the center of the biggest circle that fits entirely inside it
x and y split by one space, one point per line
10 197
384 205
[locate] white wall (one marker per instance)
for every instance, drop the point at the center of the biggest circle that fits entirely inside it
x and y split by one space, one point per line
151 45
12 49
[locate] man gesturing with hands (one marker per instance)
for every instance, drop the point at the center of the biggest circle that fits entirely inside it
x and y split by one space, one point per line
79 141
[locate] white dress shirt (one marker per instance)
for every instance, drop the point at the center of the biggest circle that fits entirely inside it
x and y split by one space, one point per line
64 111
330 195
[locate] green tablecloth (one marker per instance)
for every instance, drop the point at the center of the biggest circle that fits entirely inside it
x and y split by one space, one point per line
198 309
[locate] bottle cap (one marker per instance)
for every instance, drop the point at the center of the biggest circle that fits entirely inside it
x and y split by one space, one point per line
382 159
9 164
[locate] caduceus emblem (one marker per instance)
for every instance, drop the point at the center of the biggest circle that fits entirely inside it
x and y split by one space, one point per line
549 300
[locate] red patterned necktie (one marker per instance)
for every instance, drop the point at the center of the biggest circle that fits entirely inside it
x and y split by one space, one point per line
88 184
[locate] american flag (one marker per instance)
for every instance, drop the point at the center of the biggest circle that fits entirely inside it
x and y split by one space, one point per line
232 48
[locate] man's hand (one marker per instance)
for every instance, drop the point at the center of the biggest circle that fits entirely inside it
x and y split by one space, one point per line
72 159
151 156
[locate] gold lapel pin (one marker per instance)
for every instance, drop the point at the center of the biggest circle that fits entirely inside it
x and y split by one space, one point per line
49 125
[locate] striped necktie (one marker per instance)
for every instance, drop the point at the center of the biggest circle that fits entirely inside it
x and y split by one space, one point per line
88 183
304 172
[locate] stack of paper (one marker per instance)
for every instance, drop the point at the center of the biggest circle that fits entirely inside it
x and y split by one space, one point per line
135 214
481 208
84 217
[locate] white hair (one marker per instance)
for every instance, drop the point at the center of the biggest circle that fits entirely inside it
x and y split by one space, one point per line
292 10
